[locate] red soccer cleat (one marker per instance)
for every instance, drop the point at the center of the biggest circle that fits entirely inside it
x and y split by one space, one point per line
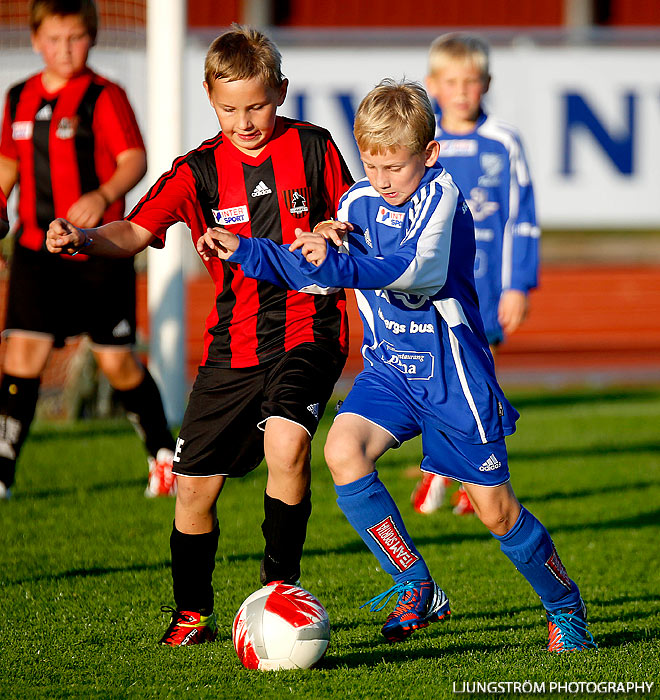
161 480
461 503
189 627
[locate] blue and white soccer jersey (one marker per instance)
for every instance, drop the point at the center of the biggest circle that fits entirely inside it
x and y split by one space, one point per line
490 169
412 269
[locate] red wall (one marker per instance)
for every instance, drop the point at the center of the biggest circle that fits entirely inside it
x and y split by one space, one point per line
422 13
384 13
581 317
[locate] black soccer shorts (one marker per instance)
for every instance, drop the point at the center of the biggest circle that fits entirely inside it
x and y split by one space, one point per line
222 430
64 297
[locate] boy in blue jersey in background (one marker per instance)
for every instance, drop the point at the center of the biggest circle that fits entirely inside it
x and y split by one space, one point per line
486 160
406 245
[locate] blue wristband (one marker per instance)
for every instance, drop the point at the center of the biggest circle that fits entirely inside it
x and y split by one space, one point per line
88 241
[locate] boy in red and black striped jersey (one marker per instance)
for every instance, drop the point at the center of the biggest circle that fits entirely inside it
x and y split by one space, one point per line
271 356
71 142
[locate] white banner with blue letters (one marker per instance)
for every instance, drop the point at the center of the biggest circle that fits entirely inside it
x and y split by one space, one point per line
589 117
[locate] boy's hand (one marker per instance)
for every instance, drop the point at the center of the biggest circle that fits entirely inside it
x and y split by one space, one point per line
64 237
334 230
217 242
88 210
313 246
512 309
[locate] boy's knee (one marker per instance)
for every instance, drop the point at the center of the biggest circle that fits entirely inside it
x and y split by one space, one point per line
197 494
337 453
501 519
287 451
344 459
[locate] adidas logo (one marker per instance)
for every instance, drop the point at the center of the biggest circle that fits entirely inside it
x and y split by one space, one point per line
314 410
491 464
261 189
45 114
122 329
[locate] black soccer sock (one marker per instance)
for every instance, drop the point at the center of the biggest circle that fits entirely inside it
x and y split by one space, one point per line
18 401
193 561
144 408
285 529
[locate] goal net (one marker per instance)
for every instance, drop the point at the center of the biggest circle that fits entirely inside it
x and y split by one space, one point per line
122 23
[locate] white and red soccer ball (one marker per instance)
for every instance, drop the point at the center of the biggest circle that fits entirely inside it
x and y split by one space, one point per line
280 627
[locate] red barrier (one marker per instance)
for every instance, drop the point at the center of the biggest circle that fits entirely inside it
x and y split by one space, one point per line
581 317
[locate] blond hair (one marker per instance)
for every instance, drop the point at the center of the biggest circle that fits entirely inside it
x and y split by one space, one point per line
85 9
466 48
393 115
243 53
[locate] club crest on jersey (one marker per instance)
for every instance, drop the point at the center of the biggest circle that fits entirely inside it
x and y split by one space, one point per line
67 127
22 131
492 165
232 215
297 201
388 538
393 219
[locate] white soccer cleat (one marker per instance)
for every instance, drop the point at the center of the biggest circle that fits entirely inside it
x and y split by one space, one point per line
161 480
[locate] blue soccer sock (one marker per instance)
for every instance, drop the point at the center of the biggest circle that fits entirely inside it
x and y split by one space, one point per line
369 508
529 547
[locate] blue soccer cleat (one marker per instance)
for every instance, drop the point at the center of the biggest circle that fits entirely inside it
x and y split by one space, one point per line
568 630
419 603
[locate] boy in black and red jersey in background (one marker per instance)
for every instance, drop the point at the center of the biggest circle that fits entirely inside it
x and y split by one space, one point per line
271 356
71 142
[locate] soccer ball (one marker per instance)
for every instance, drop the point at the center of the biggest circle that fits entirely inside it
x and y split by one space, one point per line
280 627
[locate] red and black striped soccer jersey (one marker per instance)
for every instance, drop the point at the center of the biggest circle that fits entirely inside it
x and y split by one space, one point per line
296 181
66 144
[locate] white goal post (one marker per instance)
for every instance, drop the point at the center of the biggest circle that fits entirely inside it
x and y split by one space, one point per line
166 34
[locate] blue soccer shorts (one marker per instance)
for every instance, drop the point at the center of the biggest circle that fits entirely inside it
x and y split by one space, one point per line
484 464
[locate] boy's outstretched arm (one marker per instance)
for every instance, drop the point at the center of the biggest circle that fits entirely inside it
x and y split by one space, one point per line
332 230
313 246
259 258
119 239
217 242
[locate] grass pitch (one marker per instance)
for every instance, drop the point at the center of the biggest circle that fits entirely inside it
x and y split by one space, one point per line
85 568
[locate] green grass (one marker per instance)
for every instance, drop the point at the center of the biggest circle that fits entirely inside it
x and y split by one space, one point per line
85 567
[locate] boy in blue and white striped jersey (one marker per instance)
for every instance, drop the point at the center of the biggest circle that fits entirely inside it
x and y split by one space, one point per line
485 158
406 245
